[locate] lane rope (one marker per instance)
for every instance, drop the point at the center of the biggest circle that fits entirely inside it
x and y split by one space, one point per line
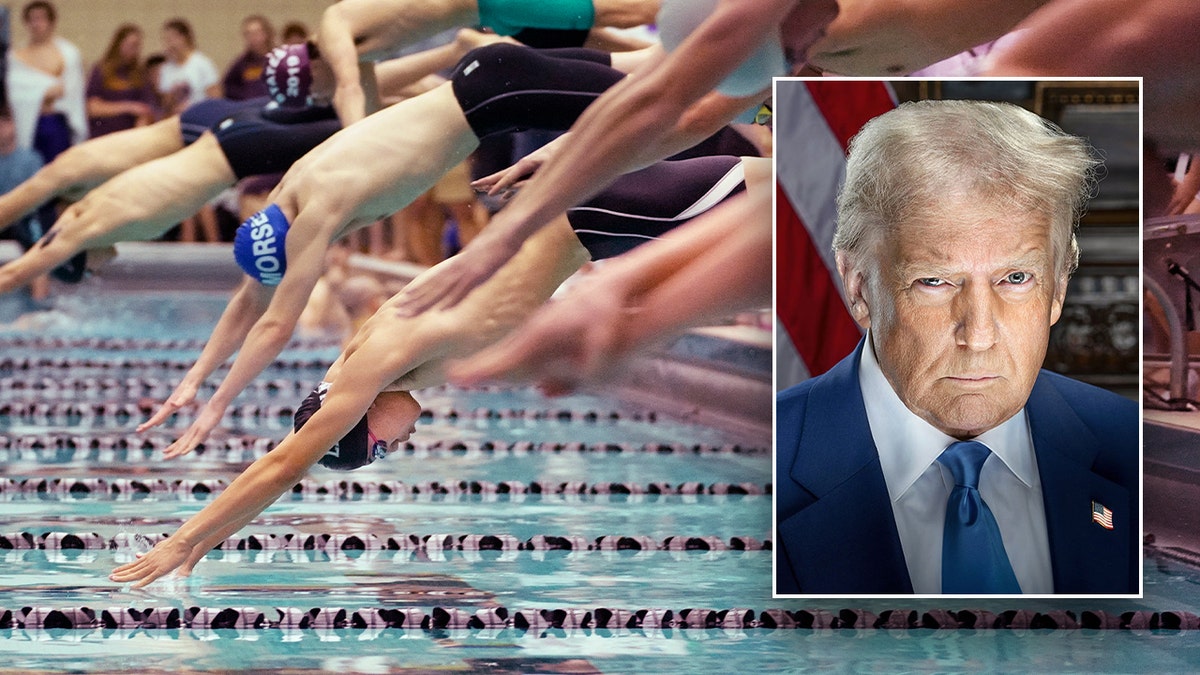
598 621
371 541
61 489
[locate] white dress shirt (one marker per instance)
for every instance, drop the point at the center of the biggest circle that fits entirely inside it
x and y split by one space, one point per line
919 486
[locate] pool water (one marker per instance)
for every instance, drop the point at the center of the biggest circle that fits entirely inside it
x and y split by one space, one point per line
511 534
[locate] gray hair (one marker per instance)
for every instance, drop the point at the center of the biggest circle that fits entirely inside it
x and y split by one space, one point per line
906 160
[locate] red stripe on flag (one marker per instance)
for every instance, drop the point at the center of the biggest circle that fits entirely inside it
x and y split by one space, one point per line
811 308
847 106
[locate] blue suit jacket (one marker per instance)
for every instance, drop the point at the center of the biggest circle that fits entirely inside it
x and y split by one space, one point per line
836 532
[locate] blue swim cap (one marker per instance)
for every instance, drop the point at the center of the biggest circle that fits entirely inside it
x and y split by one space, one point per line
258 246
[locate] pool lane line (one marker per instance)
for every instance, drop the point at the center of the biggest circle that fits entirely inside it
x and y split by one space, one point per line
59 447
389 541
77 489
42 343
594 621
35 409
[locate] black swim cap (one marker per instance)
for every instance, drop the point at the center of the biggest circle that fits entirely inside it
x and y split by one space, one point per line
353 451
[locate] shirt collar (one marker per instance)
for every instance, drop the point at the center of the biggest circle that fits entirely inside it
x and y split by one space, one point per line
907 444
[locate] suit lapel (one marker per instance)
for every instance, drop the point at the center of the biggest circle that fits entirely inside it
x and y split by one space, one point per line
1086 557
846 540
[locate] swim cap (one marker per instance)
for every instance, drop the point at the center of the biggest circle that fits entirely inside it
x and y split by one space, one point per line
354 450
288 76
258 246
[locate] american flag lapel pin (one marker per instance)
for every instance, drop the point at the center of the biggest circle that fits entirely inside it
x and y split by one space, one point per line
1102 515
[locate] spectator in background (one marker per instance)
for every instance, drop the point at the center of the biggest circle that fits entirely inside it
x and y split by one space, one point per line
295 33
120 94
243 79
45 86
188 76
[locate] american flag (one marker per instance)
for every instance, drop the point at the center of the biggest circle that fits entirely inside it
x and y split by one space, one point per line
1102 515
814 121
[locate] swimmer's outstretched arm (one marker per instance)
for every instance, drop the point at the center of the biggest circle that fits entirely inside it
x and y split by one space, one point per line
260 485
335 38
718 263
265 339
374 360
85 165
354 32
366 170
394 76
1114 38
626 128
248 303
894 38
733 273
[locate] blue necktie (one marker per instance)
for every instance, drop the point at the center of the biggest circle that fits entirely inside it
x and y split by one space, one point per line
973 556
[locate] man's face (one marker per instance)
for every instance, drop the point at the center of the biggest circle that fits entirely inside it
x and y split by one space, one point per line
174 42
254 36
39 25
960 307
131 47
393 416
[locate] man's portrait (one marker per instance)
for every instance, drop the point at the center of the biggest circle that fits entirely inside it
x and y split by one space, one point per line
937 455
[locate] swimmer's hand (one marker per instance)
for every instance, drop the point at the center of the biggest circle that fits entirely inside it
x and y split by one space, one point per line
183 396
206 421
167 555
451 280
578 339
510 179
515 176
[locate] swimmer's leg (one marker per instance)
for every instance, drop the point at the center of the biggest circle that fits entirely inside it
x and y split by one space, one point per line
86 165
136 205
147 200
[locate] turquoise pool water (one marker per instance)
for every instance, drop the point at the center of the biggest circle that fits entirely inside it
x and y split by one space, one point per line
604 483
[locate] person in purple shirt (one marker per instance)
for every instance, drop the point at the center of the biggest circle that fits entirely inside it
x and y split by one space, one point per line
243 79
120 93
